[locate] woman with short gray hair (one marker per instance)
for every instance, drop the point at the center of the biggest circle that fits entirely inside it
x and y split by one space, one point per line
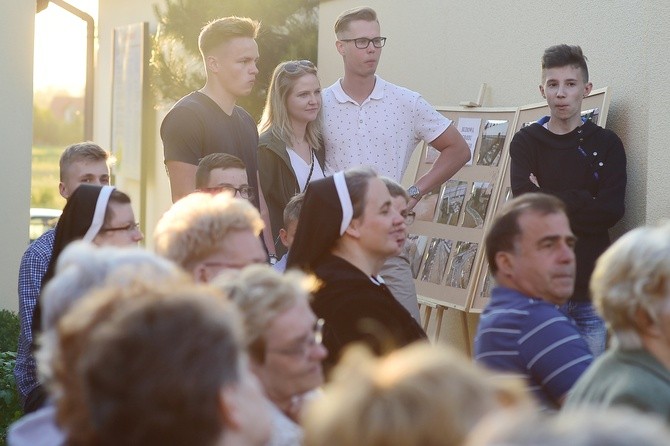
631 290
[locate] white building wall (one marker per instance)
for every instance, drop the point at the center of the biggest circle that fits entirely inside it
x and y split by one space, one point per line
115 13
17 24
447 49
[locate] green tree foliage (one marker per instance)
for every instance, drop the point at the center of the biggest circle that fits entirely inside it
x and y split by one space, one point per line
289 31
10 409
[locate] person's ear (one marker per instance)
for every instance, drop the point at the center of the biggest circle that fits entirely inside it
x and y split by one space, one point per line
283 236
229 407
62 190
212 63
505 263
339 45
542 91
587 89
353 230
200 273
645 323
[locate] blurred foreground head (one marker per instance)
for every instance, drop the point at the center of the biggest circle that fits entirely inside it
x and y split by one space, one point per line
418 395
149 364
595 427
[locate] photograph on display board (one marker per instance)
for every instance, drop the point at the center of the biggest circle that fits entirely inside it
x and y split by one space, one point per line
435 264
415 246
493 140
425 208
508 194
591 115
451 202
489 282
461 264
475 209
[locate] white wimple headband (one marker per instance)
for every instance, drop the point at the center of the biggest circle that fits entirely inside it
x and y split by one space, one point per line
345 201
99 213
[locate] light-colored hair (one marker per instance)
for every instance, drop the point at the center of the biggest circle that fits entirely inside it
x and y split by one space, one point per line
195 226
632 275
419 395
292 210
83 151
361 13
614 426
262 294
395 189
275 114
224 29
147 364
83 268
215 161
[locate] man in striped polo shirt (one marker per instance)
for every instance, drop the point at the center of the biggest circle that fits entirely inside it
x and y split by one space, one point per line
530 250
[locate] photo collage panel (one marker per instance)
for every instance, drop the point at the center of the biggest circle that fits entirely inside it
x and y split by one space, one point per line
449 206
433 261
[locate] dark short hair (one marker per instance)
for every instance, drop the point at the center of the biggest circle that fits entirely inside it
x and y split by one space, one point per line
505 229
563 55
293 208
153 371
215 161
361 13
224 29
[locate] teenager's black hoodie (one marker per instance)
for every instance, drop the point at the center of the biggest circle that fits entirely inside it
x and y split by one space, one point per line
586 168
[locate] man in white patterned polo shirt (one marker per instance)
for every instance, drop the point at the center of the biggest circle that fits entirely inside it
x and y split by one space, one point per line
371 122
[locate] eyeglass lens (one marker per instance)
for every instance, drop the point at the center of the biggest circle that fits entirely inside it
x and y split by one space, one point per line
363 42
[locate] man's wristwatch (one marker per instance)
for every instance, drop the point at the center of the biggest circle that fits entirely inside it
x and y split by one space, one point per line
414 192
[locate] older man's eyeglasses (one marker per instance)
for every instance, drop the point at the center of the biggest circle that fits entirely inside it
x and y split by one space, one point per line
294 65
129 227
246 192
363 42
303 348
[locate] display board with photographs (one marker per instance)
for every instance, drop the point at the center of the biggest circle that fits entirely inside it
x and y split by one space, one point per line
446 240
594 108
447 234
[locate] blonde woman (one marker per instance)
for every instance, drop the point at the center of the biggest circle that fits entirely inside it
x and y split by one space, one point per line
290 152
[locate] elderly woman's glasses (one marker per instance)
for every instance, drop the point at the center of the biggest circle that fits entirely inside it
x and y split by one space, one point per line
294 66
302 350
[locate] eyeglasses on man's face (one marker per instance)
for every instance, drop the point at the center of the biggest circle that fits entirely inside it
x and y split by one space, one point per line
363 42
129 228
302 350
294 65
246 192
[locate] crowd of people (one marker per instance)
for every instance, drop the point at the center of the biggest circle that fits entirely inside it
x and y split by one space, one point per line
278 306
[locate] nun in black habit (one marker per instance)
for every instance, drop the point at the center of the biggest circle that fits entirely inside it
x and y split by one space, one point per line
346 231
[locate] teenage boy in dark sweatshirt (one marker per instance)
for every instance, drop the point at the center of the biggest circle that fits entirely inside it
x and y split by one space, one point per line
579 162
